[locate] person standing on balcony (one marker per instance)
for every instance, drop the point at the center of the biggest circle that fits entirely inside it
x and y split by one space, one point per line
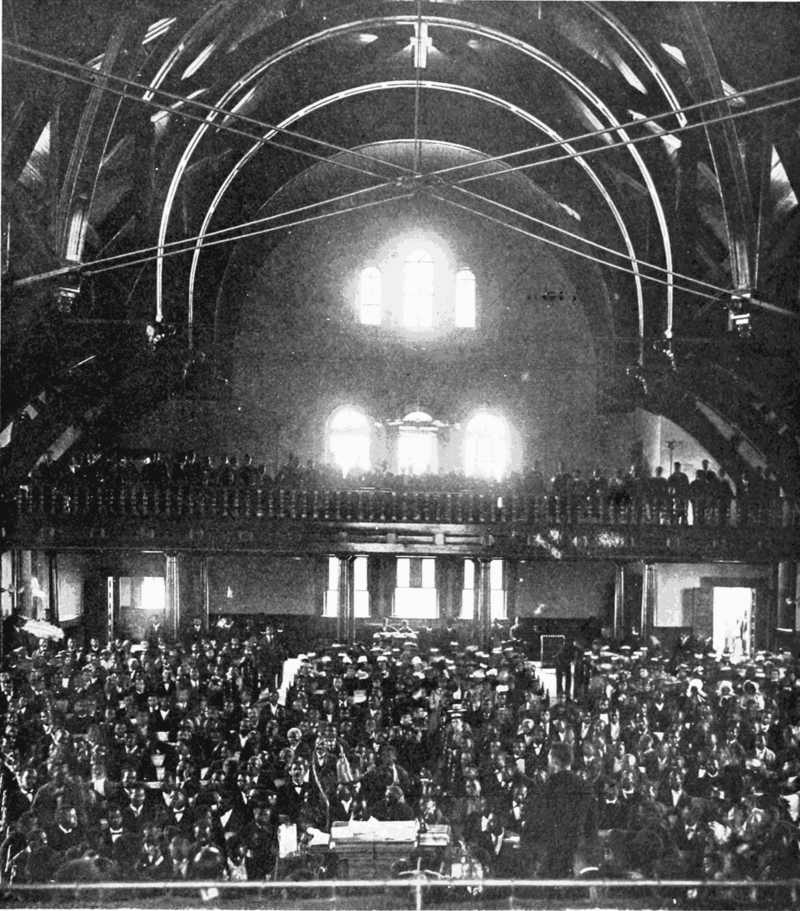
678 483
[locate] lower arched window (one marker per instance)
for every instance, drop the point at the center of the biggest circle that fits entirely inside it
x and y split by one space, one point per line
486 446
349 440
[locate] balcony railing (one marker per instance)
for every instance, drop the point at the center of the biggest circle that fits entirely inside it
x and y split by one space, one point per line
466 507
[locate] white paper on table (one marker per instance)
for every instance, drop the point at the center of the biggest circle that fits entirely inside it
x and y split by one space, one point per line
287 839
317 837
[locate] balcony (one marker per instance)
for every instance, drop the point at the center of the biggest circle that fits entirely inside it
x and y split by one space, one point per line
509 524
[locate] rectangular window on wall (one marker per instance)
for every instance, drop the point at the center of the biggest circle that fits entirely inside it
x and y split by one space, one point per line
153 593
497 586
415 595
497 591
361 598
331 607
361 594
468 591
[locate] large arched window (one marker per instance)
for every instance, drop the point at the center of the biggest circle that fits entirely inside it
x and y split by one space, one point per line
465 299
418 290
486 446
370 297
417 444
348 439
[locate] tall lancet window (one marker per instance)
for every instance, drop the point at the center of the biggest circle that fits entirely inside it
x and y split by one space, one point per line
349 439
465 299
418 290
486 446
369 293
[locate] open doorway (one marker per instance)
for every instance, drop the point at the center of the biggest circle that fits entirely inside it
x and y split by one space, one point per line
733 616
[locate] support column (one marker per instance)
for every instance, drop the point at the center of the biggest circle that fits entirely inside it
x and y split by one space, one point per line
619 602
648 600
785 615
172 620
483 602
450 581
192 574
111 608
383 579
347 600
511 569
25 573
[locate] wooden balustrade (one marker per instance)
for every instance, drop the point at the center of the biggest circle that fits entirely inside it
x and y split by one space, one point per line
377 505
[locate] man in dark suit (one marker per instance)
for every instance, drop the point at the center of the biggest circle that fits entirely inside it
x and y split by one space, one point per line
295 795
566 819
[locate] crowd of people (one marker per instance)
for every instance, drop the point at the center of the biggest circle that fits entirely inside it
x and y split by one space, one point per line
166 760
187 484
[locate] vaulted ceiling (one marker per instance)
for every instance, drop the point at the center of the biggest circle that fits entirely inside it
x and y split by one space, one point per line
653 146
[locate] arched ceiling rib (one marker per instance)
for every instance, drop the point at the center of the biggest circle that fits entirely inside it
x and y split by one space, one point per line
428 85
498 75
245 84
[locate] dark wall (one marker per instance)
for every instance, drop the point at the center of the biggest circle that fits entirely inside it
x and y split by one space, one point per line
265 585
562 591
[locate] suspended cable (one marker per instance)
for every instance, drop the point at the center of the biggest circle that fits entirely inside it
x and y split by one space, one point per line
590 243
91 270
170 109
189 242
463 166
192 241
765 305
560 246
234 233
629 125
629 142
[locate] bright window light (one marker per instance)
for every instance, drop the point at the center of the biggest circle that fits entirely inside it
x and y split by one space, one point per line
348 440
416 594
497 596
370 297
153 593
331 606
465 299
360 594
418 290
497 592
468 591
417 451
486 446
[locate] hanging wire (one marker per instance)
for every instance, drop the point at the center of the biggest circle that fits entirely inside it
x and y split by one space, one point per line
463 166
585 240
634 141
560 246
189 242
91 80
90 268
654 118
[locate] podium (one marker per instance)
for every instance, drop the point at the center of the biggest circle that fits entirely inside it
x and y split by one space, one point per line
369 850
